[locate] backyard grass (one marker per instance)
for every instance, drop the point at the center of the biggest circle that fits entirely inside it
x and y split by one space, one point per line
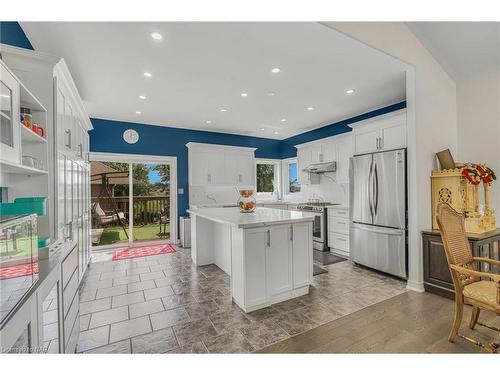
111 235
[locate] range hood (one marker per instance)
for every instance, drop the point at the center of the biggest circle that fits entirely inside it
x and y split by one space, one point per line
321 167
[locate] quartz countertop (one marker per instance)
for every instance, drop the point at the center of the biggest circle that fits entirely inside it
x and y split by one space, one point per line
234 204
262 216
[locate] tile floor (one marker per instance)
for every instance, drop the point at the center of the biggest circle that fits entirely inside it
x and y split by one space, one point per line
164 304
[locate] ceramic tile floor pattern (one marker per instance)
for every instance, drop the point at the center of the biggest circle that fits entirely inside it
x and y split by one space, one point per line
165 304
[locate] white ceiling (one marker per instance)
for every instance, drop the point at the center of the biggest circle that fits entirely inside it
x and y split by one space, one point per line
464 49
200 67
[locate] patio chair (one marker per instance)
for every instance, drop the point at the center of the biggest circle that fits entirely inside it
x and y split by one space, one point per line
481 290
103 218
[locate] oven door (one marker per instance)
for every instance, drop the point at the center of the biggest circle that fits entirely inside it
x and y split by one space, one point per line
319 231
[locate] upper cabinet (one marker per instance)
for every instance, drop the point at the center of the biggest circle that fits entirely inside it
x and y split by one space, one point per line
221 165
332 149
387 132
9 116
72 122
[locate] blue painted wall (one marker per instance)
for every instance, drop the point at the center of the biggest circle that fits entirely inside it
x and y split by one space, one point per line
168 141
11 33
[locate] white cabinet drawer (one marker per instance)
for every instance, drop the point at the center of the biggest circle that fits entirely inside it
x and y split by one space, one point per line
338 225
69 265
338 212
338 241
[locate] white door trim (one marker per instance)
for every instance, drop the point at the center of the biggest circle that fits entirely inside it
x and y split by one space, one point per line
138 158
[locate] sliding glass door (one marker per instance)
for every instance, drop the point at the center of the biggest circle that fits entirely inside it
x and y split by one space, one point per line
151 201
131 202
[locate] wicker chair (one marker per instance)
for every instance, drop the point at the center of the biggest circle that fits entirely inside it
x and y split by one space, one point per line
481 290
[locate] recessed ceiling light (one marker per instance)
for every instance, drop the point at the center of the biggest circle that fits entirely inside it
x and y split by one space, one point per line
275 132
350 92
283 120
156 36
208 121
276 70
310 108
271 94
138 112
244 94
147 74
223 110
262 129
142 97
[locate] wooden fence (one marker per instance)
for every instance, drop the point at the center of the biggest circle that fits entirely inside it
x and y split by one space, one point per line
147 209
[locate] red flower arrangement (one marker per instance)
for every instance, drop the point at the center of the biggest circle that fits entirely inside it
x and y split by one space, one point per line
475 173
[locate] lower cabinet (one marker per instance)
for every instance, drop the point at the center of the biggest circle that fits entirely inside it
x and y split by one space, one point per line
277 264
338 231
70 299
279 260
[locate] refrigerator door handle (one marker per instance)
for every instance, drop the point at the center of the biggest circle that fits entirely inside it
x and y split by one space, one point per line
375 190
370 189
370 228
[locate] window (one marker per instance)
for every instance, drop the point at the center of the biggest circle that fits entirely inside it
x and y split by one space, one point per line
291 183
267 177
293 178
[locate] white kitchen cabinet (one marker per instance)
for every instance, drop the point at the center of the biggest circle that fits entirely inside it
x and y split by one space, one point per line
239 169
332 149
338 230
344 151
302 260
218 165
304 159
59 109
10 138
279 260
382 133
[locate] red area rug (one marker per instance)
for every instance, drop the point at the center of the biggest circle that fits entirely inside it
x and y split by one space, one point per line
18 271
142 251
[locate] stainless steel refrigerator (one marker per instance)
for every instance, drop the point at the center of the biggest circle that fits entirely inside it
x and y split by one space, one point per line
378 211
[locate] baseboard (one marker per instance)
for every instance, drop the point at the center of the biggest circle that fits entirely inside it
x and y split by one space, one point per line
415 286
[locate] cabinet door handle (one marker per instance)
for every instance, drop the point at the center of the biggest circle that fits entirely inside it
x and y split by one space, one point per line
268 238
291 232
209 177
80 150
68 138
341 239
240 178
341 222
381 142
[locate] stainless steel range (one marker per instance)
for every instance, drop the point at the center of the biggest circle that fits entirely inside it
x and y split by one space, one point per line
320 225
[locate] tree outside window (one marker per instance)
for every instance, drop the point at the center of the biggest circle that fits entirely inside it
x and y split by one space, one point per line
265 178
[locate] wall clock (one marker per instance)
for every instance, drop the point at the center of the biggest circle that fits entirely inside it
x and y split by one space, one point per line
130 136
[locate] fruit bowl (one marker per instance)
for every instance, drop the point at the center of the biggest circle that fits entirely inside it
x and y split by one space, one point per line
247 201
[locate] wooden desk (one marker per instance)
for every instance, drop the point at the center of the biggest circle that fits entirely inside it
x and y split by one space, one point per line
437 278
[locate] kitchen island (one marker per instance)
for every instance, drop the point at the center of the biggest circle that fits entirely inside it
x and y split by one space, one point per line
267 253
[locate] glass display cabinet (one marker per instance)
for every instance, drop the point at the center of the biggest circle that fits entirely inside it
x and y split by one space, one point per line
18 260
9 117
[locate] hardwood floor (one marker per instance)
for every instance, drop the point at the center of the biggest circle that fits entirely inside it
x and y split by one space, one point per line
408 323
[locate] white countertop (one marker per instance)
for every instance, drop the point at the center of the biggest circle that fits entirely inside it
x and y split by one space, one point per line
262 216
224 205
